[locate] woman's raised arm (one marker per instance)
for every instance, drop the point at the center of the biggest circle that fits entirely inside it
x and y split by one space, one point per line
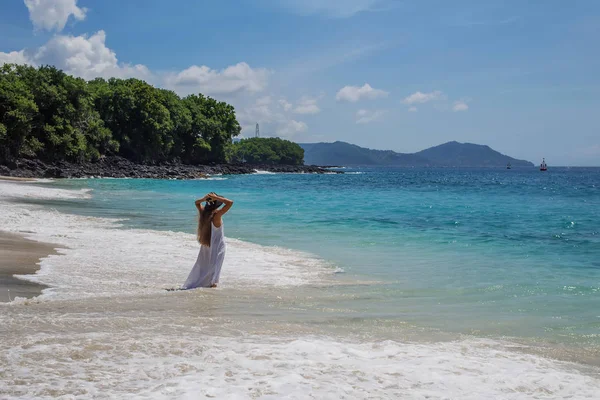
199 202
228 203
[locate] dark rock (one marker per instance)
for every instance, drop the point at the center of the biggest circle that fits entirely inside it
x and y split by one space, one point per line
53 172
119 167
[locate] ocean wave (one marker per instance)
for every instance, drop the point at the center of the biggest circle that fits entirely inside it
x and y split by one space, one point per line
261 172
96 257
192 365
29 190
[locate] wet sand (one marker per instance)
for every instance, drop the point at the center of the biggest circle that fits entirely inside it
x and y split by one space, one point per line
15 178
20 256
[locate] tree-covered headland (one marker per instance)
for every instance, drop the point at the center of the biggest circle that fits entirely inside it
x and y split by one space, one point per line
266 151
51 116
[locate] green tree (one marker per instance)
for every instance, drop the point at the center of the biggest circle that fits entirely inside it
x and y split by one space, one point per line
17 111
266 151
135 114
181 119
48 114
213 127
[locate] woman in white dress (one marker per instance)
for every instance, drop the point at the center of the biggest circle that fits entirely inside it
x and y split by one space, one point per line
207 269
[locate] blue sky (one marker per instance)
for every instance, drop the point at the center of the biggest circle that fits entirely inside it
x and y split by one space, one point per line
520 76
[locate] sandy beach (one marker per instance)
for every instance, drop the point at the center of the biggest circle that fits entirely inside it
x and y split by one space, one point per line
20 256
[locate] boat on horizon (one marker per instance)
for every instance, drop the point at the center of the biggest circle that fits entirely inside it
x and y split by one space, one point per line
543 165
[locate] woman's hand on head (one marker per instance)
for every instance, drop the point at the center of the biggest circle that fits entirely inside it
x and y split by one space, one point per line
206 197
215 196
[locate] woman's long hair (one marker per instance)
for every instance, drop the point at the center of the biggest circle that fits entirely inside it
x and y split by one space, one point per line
205 218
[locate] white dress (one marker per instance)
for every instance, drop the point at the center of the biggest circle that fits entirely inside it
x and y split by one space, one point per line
207 269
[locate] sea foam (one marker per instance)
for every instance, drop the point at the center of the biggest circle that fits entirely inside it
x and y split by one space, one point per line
149 365
32 190
98 257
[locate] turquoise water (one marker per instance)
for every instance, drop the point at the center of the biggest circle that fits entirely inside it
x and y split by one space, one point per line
483 252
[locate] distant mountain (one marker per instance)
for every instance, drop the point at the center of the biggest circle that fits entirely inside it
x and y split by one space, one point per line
342 153
456 154
448 154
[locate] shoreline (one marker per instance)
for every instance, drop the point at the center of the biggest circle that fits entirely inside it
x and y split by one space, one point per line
16 179
20 256
118 167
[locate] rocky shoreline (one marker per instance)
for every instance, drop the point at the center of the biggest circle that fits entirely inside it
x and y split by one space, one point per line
117 167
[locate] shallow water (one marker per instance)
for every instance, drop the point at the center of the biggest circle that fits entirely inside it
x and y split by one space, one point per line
385 283
452 249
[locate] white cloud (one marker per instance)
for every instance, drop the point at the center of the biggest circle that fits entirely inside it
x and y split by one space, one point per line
355 93
233 79
259 111
460 106
82 56
89 57
419 97
275 118
273 121
53 14
290 128
285 104
366 116
307 105
86 57
413 109
14 57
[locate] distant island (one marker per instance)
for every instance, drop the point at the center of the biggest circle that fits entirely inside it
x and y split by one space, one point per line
451 154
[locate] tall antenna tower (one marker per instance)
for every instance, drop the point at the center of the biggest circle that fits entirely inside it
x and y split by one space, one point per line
257 131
